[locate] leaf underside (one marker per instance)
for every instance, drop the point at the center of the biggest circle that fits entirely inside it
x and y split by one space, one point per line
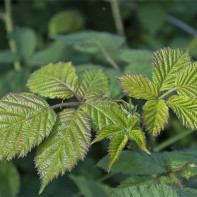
93 82
67 143
186 82
166 64
155 115
138 86
186 110
54 81
25 121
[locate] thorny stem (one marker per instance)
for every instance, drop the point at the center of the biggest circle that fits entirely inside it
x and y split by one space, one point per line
168 92
177 181
65 104
9 29
117 17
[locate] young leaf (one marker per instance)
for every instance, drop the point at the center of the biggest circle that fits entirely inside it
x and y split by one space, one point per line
140 139
99 111
166 64
94 82
54 81
25 121
155 115
138 86
67 143
186 81
186 110
116 146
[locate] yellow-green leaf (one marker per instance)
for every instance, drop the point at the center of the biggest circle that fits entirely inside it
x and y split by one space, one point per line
66 145
186 110
155 115
25 121
186 82
166 64
138 86
115 148
54 81
140 139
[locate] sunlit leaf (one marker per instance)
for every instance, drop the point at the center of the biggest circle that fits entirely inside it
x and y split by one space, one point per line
25 121
54 81
66 145
186 110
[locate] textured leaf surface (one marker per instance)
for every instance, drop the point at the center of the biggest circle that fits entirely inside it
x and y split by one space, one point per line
155 115
67 143
153 190
25 121
116 146
93 82
138 86
166 64
140 139
99 112
186 110
54 81
186 82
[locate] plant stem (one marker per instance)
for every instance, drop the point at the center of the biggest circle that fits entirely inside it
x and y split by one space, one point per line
105 177
177 181
117 17
65 104
172 140
168 92
9 29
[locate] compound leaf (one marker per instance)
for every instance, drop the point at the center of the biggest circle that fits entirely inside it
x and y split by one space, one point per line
67 143
94 82
25 121
166 64
186 82
153 190
140 139
100 111
138 86
155 115
54 81
186 110
116 145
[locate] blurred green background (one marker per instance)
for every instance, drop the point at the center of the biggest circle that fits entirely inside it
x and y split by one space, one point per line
88 33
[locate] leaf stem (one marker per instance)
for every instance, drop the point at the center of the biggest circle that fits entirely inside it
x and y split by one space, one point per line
9 29
172 140
65 104
117 17
168 92
105 177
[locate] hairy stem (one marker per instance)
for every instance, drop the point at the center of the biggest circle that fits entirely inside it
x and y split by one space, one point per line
117 17
9 29
177 181
168 92
172 140
65 104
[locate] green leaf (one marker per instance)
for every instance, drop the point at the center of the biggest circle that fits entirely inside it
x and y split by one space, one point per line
153 190
25 39
140 139
108 131
187 192
155 115
138 86
93 82
7 56
90 188
10 179
65 22
67 143
100 112
25 121
116 146
54 81
167 63
186 82
186 110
